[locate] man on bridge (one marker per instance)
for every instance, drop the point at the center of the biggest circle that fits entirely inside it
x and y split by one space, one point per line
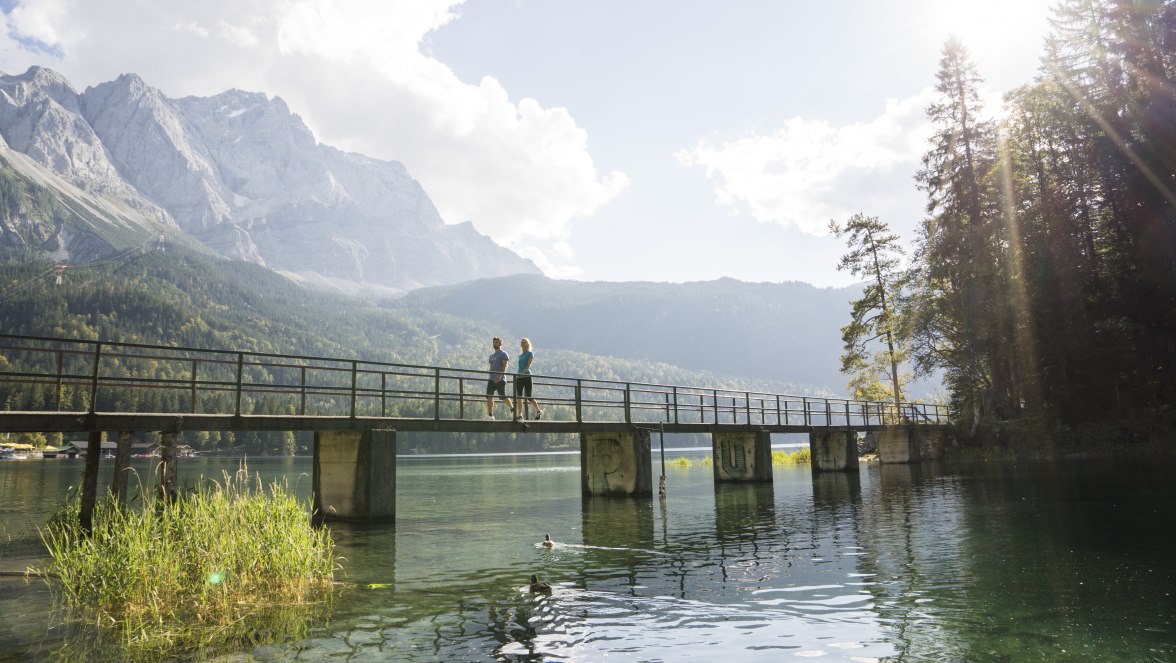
497 378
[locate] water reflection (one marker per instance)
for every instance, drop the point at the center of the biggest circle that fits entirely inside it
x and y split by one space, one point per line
926 562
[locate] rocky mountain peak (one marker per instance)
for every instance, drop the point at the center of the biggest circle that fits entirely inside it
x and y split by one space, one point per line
243 174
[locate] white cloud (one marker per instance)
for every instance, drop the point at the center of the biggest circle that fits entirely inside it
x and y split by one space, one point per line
354 71
809 172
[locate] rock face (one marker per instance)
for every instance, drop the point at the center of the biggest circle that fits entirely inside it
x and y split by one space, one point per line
243 175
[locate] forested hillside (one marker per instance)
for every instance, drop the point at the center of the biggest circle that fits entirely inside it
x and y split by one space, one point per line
187 299
776 331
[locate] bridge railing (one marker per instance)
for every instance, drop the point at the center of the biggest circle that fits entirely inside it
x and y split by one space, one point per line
85 376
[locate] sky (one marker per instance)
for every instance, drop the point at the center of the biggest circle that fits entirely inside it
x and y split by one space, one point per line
606 140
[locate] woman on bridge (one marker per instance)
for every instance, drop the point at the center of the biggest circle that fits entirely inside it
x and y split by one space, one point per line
522 385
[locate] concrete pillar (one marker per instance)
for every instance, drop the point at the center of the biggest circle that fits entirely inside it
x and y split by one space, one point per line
616 464
354 475
931 441
833 451
742 456
896 444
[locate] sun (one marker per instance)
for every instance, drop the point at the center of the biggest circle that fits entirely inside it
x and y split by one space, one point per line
982 23
1000 34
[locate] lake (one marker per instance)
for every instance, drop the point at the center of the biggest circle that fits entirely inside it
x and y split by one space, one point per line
995 561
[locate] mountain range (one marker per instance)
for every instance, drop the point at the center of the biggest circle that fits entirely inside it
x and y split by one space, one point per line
99 177
239 174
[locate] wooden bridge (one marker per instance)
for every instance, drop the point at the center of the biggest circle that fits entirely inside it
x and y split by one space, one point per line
76 385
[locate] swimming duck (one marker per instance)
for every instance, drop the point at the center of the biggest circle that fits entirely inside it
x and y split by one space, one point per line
538 586
547 541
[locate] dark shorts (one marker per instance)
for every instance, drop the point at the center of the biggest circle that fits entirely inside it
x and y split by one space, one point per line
493 386
522 386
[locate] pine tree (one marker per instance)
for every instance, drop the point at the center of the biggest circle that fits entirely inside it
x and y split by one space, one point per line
876 255
958 322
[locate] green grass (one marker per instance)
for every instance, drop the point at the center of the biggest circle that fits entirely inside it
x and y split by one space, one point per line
778 458
206 572
795 458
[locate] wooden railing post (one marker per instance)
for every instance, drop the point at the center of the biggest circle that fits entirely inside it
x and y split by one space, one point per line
675 404
804 404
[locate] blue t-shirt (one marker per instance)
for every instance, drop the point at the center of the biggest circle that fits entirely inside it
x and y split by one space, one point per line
524 358
498 363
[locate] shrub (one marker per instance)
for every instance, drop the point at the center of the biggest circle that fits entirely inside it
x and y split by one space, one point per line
196 572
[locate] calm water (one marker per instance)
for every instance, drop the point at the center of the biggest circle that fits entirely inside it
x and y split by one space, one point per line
990 562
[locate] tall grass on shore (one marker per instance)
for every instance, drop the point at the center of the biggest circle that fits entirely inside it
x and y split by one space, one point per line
207 571
798 457
779 457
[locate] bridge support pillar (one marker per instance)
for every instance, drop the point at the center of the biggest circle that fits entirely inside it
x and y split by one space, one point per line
833 451
742 456
931 441
616 464
354 476
898 444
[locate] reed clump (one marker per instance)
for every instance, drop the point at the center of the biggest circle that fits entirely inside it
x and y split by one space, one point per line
218 565
800 456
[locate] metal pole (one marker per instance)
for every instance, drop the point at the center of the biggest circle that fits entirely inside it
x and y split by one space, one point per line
436 394
579 393
195 365
94 379
240 372
354 379
628 412
661 441
57 390
302 388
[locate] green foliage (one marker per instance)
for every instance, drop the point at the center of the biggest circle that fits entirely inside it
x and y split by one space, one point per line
201 572
187 299
798 457
1046 269
780 334
873 348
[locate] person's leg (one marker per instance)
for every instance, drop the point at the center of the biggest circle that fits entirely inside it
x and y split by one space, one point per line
526 395
490 398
